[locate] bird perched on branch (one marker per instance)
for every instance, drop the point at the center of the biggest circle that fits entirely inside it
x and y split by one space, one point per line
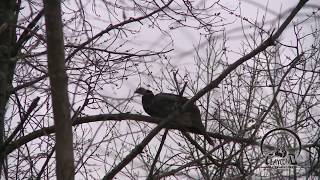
163 104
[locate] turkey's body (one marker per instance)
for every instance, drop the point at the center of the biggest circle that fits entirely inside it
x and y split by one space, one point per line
164 104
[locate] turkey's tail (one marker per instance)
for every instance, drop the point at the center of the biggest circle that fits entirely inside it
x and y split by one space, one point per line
197 126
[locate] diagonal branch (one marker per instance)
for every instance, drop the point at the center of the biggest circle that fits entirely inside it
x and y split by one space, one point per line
23 120
269 42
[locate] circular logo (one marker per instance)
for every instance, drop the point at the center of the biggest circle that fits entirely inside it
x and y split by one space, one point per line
280 147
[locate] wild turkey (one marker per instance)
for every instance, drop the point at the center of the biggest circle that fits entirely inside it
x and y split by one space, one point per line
163 104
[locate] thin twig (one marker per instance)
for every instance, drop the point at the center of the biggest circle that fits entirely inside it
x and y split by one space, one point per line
46 163
157 155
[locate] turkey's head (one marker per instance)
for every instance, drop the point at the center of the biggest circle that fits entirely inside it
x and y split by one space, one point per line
143 91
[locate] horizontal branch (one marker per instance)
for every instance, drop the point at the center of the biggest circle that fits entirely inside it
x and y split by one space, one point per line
110 117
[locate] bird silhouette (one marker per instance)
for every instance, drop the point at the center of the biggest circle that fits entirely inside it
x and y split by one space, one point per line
163 104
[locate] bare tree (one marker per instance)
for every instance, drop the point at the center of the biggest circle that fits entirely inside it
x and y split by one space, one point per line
243 93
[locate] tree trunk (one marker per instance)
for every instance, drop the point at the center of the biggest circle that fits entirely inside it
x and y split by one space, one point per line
8 19
59 90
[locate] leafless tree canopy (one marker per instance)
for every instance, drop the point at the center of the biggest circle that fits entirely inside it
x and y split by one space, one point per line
250 67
